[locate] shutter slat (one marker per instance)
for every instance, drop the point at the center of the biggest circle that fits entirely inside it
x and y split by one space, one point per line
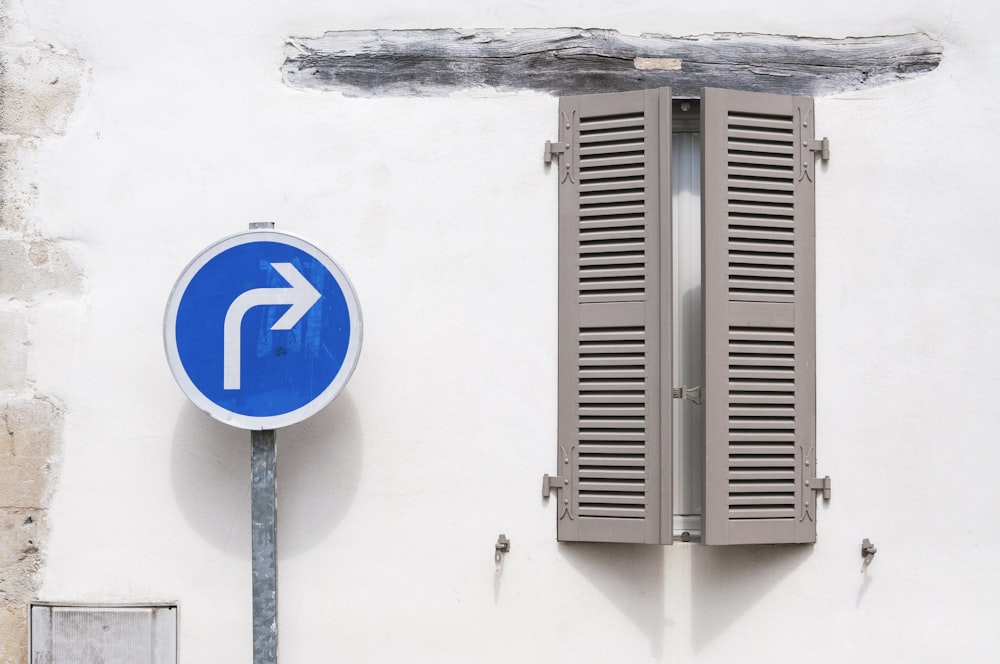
607 223
610 448
757 134
611 474
758 410
610 234
625 131
624 253
782 512
622 361
762 194
613 144
748 257
609 499
592 199
590 125
756 270
757 450
614 183
596 251
613 210
764 498
591 163
737 169
610 176
592 273
738 147
600 437
638 514
758 246
761 487
760 185
776 124
607 348
620 334
771 161
741 208
761 436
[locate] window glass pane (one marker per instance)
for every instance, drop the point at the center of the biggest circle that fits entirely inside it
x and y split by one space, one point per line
689 418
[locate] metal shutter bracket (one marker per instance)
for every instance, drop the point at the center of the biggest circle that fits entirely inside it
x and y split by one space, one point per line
563 151
550 482
553 149
819 145
820 484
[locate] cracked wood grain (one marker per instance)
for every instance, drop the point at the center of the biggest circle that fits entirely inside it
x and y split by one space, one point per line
564 61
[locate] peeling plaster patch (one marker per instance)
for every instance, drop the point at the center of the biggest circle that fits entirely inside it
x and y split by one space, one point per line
30 428
39 88
567 61
13 349
15 197
36 266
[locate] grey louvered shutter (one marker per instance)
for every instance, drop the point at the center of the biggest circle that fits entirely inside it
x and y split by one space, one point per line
614 320
759 303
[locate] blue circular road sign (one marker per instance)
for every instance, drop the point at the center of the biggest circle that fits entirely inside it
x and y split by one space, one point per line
262 330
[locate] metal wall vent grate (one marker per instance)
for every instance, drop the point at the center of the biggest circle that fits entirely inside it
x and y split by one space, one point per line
103 635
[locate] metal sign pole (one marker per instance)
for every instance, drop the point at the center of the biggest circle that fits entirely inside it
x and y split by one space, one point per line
264 541
264 535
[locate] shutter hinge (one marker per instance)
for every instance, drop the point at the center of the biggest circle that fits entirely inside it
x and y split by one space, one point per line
692 394
550 482
819 145
553 149
820 484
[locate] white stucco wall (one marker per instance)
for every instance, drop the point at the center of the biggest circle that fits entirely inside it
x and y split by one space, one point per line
443 214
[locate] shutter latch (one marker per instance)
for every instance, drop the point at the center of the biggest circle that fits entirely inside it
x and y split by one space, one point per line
550 482
820 484
553 149
692 394
822 146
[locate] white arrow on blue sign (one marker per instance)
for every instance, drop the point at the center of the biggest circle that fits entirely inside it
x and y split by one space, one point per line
262 330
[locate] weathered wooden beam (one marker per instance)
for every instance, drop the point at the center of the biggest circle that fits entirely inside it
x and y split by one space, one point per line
565 61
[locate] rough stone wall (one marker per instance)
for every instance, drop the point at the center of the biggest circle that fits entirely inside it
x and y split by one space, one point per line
39 87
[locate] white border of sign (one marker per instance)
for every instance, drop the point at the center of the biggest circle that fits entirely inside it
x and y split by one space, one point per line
273 421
